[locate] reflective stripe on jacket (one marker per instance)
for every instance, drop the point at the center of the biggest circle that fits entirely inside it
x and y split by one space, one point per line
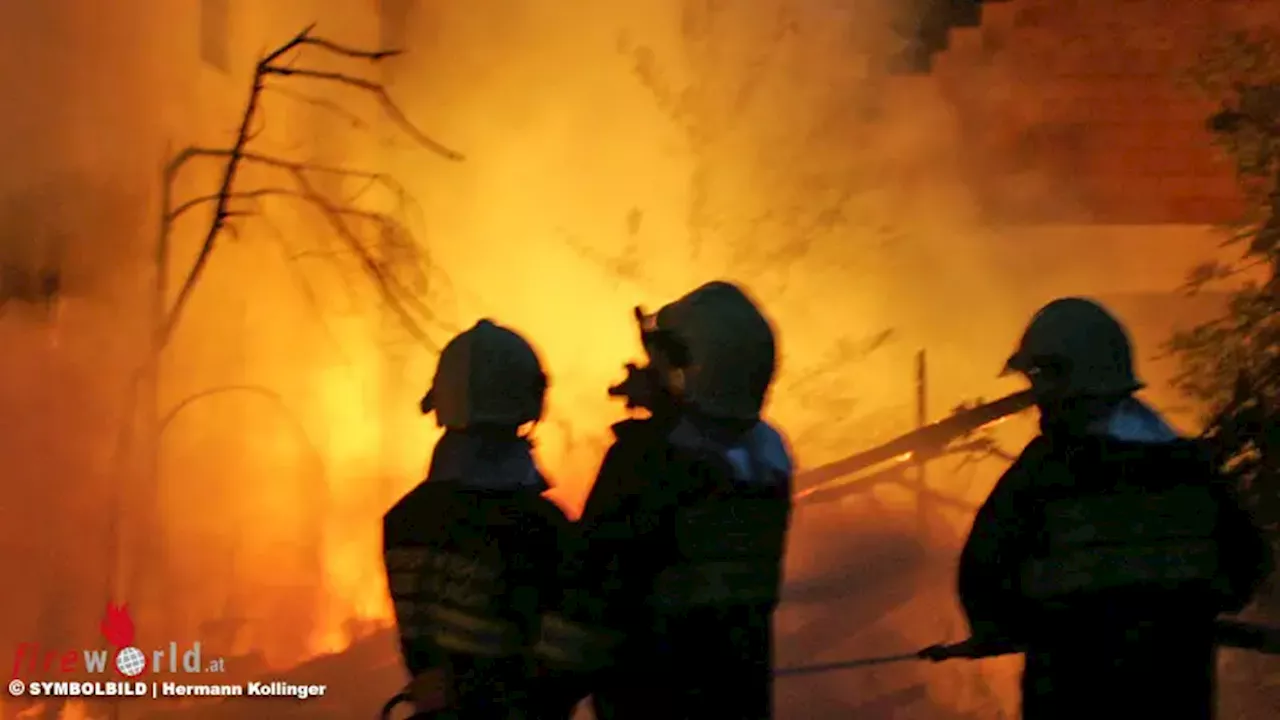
459 631
446 599
1126 540
729 553
717 584
575 646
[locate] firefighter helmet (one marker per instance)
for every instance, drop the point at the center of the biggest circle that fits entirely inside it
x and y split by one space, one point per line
723 348
488 375
1075 347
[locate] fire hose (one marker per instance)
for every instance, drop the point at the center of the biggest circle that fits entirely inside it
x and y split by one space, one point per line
1227 633
396 701
971 649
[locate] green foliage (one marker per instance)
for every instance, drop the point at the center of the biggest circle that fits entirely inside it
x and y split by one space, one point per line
1232 364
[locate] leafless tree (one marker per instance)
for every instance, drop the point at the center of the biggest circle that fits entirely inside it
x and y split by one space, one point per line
392 263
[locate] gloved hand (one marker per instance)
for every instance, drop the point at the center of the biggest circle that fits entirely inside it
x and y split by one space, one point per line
972 648
428 693
938 653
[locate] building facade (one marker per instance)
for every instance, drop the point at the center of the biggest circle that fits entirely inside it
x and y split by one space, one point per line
1089 116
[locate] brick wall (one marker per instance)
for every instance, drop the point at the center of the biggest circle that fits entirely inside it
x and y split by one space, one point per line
1091 95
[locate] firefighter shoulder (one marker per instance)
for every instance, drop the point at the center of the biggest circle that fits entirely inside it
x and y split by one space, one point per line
729 526
470 552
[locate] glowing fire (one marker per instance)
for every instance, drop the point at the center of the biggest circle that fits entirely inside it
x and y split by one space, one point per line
351 569
71 710
76 710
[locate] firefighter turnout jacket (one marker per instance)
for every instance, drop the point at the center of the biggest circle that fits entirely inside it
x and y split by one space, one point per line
471 556
591 637
683 537
1108 555
723 538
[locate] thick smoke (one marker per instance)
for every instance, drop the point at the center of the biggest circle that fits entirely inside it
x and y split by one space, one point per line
632 153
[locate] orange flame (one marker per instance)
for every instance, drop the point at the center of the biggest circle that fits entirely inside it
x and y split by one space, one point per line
76 710
117 626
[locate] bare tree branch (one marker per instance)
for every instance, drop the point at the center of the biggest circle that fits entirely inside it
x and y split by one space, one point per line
192 153
355 120
353 246
393 293
222 213
309 295
380 93
237 154
178 211
306 39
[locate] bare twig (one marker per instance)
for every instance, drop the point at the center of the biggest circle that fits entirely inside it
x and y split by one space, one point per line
320 254
380 93
192 153
390 289
354 120
309 295
306 39
178 211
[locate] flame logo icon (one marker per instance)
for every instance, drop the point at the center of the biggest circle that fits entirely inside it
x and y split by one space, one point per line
117 626
117 629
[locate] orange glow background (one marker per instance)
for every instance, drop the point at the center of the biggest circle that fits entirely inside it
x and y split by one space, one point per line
616 154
